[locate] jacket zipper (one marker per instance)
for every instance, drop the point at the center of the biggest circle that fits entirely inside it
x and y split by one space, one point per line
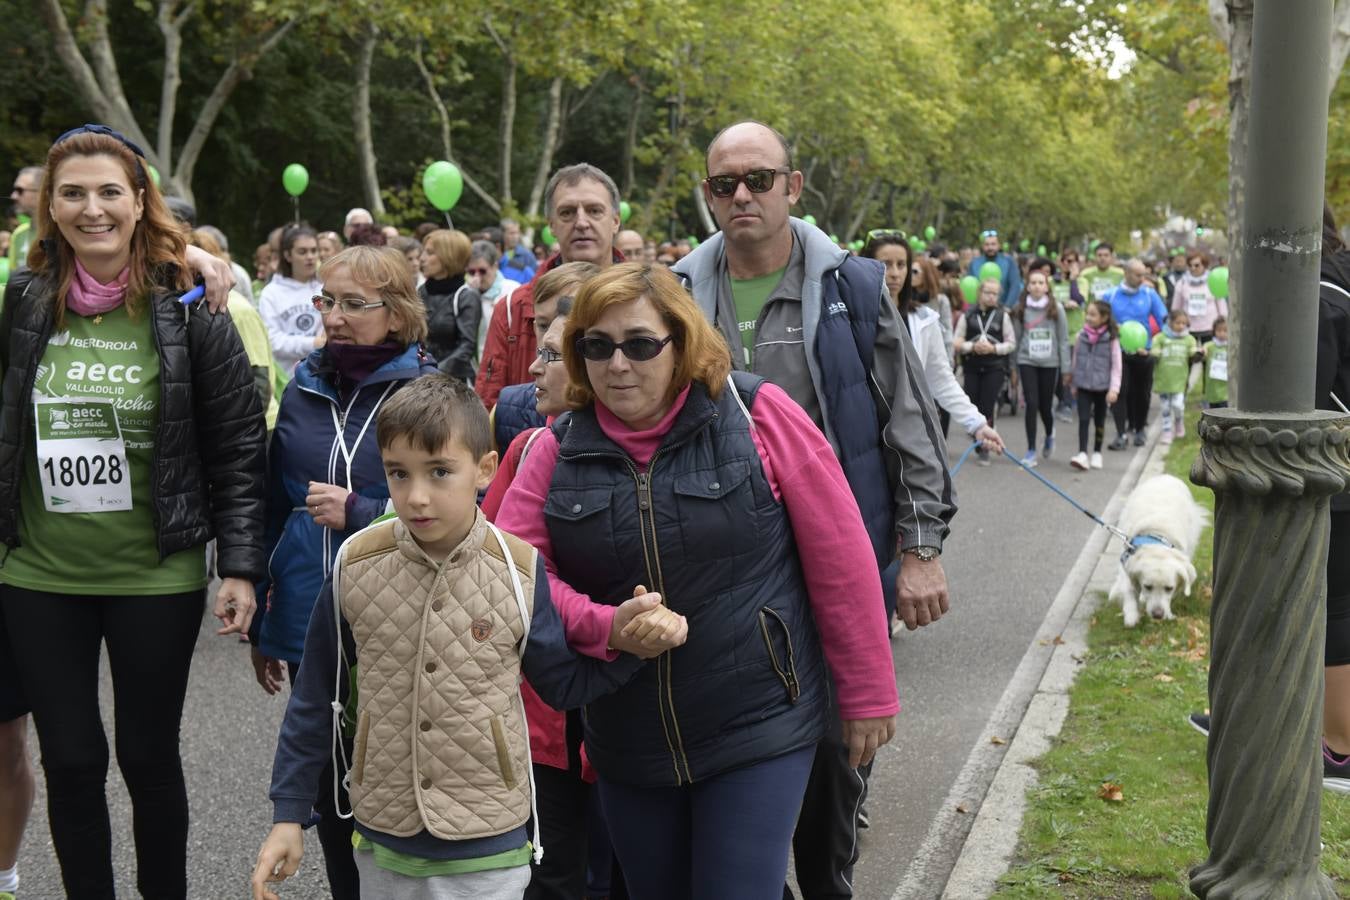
665 676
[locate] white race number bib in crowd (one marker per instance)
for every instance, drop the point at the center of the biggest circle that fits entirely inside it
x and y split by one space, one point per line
81 456
1218 367
1040 343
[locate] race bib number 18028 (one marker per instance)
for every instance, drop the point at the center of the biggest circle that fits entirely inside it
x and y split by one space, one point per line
81 456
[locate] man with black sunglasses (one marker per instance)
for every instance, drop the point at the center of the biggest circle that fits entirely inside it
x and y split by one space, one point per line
27 185
819 323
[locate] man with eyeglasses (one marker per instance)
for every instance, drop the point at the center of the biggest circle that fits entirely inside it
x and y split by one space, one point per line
819 323
27 184
1010 279
581 204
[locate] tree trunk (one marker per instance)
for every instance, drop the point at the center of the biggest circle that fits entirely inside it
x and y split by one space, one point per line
171 26
630 138
551 129
365 144
860 212
443 113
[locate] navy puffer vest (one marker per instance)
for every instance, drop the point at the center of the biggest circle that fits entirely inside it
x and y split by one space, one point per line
701 526
515 412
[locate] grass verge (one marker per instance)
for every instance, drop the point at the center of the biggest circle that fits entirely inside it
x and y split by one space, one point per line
1119 810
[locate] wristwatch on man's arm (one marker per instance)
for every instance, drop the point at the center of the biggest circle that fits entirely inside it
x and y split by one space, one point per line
923 554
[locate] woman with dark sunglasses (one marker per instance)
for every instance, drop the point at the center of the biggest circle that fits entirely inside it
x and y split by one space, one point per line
325 479
716 490
1193 297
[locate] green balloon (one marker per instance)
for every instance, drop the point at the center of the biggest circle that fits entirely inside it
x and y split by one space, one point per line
970 288
443 184
546 235
991 272
295 178
4 270
1093 246
929 233
1133 337
1218 282
1025 245
693 241
809 219
1040 250
921 246
154 174
856 246
834 238
624 210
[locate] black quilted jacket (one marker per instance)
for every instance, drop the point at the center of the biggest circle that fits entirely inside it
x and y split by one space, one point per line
210 444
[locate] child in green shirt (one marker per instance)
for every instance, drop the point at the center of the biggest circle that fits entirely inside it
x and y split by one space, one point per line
1175 349
1216 366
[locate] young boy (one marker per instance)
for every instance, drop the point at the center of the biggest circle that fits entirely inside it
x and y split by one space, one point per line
1216 366
1175 348
435 615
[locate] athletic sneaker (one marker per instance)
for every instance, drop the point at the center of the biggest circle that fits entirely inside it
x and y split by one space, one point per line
1079 461
981 457
1335 771
864 820
1065 413
1097 460
1200 722
1139 439
1030 459
1048 449
1120 443
1166 435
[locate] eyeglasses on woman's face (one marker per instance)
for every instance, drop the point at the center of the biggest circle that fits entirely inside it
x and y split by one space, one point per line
350 306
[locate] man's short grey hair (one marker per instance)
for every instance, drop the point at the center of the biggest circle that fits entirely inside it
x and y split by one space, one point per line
354 212
782 141
34 172
216 233
570 175
486 251
505 222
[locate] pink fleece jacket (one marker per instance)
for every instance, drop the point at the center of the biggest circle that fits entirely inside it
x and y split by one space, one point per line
805 475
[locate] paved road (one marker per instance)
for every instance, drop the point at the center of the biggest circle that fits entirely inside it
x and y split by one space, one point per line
1012 546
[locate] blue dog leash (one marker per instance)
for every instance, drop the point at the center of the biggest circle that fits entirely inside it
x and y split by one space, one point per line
1072 502
964 456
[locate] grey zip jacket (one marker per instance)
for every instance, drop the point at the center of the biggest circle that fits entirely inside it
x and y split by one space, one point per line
925 500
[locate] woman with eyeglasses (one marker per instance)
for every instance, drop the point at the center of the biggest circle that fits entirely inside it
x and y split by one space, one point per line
285 300
454 307
325 479
712 488
1193 297
130 436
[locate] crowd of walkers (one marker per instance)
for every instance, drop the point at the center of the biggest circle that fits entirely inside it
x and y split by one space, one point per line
530 534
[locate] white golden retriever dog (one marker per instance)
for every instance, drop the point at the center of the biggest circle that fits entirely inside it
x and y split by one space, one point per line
1164 523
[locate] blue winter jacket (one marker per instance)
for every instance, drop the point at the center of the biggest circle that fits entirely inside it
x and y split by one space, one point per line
1136 305
306 447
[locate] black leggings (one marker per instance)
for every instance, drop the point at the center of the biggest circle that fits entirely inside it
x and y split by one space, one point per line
56 639
1091 404
1136 391
1338 590
1038 390
982 386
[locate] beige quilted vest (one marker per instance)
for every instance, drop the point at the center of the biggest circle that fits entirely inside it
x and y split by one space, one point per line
441 740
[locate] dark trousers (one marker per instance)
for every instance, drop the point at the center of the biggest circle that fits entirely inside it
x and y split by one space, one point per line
725 836
57 641
335 832
1038 389
983 384
1091 405
825 844
1136 390
578 861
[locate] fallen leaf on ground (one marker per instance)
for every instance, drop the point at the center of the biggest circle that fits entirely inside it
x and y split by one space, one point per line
1112 792
997 740
962 808
1164 678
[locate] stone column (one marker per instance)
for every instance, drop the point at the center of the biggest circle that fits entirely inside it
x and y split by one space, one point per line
1272 478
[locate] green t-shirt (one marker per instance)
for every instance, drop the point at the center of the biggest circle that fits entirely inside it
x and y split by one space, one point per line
87 516
750 296
1100 282
1073 318
1174 362
1216 372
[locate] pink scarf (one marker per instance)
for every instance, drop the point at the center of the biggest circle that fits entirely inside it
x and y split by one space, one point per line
1094 334
90 297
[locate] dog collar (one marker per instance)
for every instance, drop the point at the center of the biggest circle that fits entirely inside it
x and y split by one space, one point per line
1143 540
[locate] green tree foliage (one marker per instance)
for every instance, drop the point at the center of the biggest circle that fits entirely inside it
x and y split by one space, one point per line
1048 119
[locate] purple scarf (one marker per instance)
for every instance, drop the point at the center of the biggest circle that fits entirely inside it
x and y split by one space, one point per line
90 297
354 363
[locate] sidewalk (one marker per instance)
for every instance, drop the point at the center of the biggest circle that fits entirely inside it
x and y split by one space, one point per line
992 838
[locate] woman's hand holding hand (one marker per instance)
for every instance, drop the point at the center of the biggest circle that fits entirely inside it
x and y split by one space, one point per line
266 669
216 275
645 628
327 505
279 859
864 737
235 604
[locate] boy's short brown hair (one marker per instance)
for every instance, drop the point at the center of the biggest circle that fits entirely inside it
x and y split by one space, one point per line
430 412
562 283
